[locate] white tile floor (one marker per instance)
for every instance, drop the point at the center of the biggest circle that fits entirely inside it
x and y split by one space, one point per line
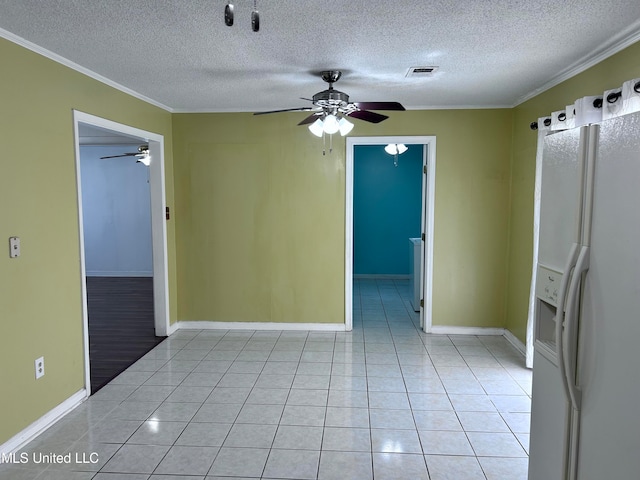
382 402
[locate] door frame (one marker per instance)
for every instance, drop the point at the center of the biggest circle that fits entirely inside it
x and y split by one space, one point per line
427 221
158 225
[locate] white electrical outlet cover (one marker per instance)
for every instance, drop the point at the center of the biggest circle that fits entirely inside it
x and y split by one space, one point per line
39 364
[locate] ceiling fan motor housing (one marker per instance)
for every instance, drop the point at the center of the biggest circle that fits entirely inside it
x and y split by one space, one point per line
331 99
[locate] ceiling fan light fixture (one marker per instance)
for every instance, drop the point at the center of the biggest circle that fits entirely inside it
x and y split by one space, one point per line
345 126
317 128
330 124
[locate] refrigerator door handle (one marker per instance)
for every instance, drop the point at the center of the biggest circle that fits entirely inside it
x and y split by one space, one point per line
570 337
560 316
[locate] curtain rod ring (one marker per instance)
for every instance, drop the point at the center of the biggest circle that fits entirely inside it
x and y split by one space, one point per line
613 97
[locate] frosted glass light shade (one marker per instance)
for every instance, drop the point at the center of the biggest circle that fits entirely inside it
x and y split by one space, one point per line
395 148
345 126
316 128
331 125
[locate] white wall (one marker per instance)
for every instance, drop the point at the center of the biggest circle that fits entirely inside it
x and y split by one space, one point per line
116 213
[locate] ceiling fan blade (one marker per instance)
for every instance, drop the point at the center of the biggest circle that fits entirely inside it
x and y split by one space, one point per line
310 119
123 155
368 116
301 109
379 106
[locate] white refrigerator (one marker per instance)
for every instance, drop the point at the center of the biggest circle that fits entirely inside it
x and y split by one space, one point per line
585 412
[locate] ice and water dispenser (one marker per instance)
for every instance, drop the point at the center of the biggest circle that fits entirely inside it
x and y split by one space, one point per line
547 291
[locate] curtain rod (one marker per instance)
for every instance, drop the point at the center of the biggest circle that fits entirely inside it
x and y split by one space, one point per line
597 103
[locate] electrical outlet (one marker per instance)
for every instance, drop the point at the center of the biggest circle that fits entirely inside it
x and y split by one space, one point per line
39 367
14 247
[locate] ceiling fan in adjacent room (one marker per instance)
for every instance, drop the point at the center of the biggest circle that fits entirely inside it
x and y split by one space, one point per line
142 155
331 107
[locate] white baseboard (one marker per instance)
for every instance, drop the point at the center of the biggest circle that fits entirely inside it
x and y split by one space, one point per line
513 340
452 330
47 420
208 325
173 328
510 337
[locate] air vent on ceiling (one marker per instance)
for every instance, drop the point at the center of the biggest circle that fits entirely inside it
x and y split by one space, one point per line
421 71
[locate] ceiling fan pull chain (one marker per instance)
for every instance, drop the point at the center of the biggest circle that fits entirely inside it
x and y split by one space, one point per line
228 14
255 17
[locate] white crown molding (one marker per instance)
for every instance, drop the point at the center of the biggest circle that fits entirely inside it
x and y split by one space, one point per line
458 107
78 68
419 108
626 38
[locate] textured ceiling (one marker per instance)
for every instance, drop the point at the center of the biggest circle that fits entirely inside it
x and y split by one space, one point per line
180 55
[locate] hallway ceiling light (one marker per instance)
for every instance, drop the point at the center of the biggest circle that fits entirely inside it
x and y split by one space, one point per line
395 149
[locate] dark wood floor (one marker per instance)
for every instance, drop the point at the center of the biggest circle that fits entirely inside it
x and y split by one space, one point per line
121 325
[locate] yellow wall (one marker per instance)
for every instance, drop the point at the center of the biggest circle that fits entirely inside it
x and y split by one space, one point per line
260 219
608 74
40 292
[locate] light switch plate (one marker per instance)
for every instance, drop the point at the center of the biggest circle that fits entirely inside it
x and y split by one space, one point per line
14 247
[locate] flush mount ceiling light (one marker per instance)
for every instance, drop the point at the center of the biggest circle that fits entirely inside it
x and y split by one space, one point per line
395 149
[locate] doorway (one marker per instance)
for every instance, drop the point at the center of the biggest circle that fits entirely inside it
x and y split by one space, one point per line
427 208
140 280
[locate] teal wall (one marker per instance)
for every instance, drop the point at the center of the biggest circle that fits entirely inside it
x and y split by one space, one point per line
386 209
